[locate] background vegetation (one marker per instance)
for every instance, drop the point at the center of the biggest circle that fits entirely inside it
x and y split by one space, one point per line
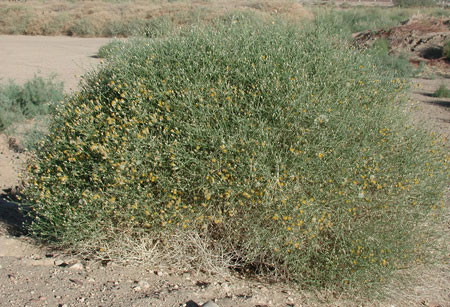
130 18
442 92
157 18
446 50
416 3
34 98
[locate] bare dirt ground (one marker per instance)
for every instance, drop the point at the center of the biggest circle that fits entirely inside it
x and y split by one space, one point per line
23 56
35 276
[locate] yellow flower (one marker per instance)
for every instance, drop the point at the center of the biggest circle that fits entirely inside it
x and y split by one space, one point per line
207 195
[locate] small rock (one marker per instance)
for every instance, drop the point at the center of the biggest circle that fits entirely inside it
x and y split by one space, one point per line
59 262
210 304
76 281
226 288
76 266
106 263
1 267
202 284
159 273
137 288
143 284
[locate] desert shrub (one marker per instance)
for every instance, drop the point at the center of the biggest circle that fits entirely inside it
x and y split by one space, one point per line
442 92
8 110
37 93
413 3
107 50
284 150
157 27
126 28
361 19
23 102
14 19
56 25
83 27
122 28
381 46
446 50
154 27
399 64
440 12
345 23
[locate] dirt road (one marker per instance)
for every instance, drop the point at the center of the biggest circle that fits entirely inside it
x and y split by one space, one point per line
69 57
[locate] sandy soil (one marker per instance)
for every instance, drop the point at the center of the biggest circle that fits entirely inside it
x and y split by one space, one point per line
23 56
35 276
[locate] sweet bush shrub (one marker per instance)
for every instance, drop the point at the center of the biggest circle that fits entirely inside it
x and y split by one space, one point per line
284 149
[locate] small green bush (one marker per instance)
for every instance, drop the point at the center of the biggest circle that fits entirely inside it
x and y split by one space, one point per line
446 50
122 28
285 151
55 25
399 64
110 48
355 20
155 27
83 27
15 19
442 92
32 99
414 3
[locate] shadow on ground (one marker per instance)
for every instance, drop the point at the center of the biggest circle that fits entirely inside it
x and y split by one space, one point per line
441 103
10 214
